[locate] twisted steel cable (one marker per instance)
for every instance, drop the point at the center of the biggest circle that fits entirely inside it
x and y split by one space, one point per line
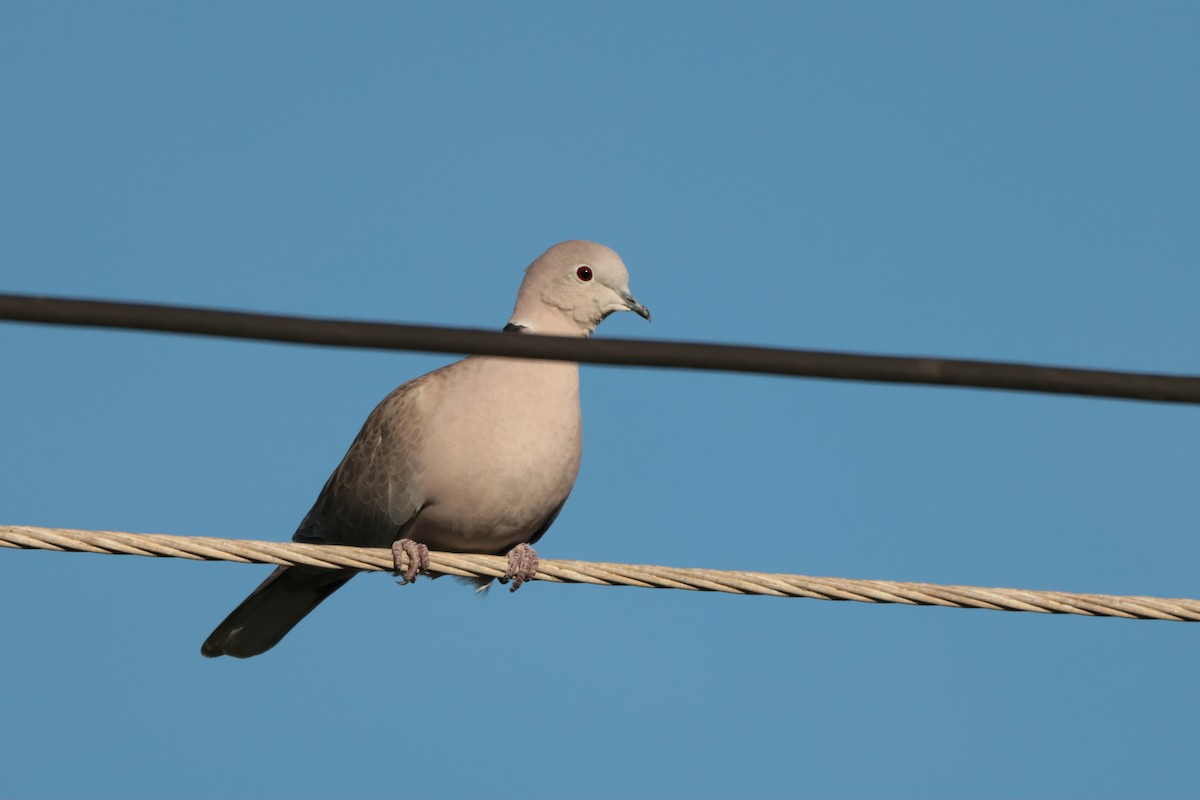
604 574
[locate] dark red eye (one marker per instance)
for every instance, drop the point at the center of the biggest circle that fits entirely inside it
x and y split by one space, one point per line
584 273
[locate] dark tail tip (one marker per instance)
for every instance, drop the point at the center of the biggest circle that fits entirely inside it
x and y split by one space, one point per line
273 609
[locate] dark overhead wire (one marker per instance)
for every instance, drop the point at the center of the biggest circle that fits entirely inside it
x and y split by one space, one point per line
627 352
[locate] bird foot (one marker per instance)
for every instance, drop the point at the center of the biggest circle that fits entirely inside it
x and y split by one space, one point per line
418 560
522 566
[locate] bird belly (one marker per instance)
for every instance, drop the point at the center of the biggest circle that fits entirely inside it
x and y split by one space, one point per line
496 503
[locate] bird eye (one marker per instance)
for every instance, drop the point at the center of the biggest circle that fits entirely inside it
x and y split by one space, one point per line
584 273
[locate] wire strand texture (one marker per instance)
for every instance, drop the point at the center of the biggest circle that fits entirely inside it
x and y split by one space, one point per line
605 574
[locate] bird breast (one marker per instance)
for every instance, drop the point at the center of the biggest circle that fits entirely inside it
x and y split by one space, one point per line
508 460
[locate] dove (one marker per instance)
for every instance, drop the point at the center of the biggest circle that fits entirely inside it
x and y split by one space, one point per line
478 456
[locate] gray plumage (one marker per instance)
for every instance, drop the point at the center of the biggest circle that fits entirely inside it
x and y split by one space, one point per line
478 456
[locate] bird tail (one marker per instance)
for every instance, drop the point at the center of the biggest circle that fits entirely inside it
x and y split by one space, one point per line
273 609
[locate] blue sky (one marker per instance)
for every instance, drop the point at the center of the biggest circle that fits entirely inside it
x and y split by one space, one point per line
1009 181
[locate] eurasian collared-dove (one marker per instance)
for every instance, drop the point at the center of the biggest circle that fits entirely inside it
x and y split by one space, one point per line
478 456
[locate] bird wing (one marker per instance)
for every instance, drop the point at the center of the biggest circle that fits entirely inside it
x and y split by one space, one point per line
377 487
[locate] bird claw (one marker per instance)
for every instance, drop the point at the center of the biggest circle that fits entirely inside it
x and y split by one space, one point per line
418 560
522 566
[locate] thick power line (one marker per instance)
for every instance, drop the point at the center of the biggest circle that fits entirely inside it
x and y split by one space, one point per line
628 352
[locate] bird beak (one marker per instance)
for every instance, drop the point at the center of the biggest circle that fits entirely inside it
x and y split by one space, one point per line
635 306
